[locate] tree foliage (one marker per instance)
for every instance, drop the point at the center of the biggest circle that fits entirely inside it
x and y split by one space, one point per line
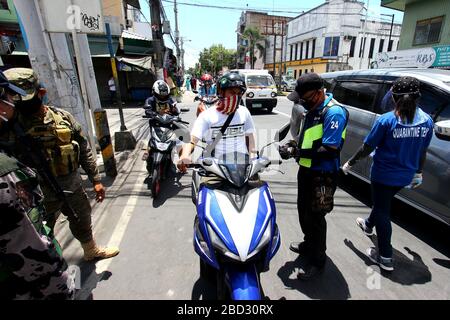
254 41
216 57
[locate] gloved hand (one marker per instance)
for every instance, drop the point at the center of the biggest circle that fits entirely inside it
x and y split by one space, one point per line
287 151
416 181
346 168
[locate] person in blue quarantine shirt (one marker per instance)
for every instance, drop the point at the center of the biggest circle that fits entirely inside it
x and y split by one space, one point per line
400 139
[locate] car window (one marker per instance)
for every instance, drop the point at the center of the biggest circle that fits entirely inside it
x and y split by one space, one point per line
259 81
328 84
356 94
431 101
444 114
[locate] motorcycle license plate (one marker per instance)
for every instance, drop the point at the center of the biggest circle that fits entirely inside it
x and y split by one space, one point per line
257 105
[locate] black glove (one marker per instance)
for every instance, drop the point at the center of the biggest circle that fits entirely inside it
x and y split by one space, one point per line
288 150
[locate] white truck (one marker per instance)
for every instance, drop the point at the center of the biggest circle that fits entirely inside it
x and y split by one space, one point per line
261 89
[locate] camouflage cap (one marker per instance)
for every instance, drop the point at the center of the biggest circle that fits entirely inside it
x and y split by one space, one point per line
24 78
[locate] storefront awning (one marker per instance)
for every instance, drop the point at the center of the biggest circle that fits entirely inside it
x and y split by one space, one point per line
135 44
144 63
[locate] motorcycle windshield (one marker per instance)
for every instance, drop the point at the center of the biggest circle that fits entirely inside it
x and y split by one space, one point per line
236 167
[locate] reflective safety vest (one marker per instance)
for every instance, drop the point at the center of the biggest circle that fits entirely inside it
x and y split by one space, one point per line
312 136
55 137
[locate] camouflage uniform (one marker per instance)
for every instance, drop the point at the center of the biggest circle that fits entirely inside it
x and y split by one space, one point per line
63 145
79 212
30 267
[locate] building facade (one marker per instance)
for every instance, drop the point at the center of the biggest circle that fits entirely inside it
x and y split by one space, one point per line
335 36
426 23
267 25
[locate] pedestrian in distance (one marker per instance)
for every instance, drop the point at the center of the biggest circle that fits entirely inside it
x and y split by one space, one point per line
317 152
51 141
112 90
400 139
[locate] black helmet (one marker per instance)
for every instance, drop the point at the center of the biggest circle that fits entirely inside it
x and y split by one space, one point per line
231 80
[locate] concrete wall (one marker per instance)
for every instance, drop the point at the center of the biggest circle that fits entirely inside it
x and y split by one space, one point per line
422 10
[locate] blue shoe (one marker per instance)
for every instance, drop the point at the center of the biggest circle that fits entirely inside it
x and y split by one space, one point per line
362 224
386 264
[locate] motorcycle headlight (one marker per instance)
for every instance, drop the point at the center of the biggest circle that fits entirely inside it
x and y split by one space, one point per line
273 94
162 146
250 95
264 240
219 245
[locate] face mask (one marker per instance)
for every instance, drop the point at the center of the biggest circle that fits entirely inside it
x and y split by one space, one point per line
229 105
30 106
311 102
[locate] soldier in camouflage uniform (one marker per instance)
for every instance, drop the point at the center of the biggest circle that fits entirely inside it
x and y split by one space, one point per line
66 148
30 266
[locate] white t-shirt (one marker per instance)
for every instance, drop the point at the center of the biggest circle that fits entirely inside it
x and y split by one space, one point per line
112 85
209 123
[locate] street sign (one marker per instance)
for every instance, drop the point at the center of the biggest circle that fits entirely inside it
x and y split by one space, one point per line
85 16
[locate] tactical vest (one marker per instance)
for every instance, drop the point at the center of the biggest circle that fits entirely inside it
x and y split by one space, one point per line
56 138
312 136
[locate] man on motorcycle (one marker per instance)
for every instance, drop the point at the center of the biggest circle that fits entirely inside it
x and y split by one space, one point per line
206 93
240 134
161 103
208 88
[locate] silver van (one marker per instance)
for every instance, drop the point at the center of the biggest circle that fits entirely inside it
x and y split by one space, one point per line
362 92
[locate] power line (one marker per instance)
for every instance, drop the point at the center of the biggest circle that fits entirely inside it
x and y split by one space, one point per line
259 9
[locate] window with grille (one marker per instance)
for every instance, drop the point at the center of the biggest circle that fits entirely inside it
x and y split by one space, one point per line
428 31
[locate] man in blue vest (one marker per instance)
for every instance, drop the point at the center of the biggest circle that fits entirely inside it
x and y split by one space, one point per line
317 152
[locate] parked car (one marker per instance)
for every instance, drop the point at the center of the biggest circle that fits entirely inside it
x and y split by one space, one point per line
288 83
261 89
362 92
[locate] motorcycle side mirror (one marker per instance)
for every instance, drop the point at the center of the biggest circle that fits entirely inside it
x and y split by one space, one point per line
195 91
282 133
442 130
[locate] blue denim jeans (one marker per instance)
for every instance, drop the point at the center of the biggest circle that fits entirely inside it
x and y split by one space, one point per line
380 217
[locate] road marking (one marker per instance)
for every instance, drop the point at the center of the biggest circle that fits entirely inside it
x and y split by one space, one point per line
170 293
283 114
122 224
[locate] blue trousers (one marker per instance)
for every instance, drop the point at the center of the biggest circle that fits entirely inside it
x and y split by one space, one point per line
380 217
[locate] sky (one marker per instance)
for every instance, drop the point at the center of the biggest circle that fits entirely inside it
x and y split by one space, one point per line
207 26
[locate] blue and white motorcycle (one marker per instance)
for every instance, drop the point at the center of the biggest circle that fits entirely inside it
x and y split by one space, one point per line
235 229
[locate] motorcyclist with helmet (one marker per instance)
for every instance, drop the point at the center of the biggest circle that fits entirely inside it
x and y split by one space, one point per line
240 134
160 101
207 91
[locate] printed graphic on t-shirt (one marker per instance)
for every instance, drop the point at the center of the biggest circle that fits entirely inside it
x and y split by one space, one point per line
232 131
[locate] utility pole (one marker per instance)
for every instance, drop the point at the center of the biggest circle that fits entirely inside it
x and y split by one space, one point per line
364 36
51 59
274 48
124 140
392 26
281 56
177 33
155 15
182 41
